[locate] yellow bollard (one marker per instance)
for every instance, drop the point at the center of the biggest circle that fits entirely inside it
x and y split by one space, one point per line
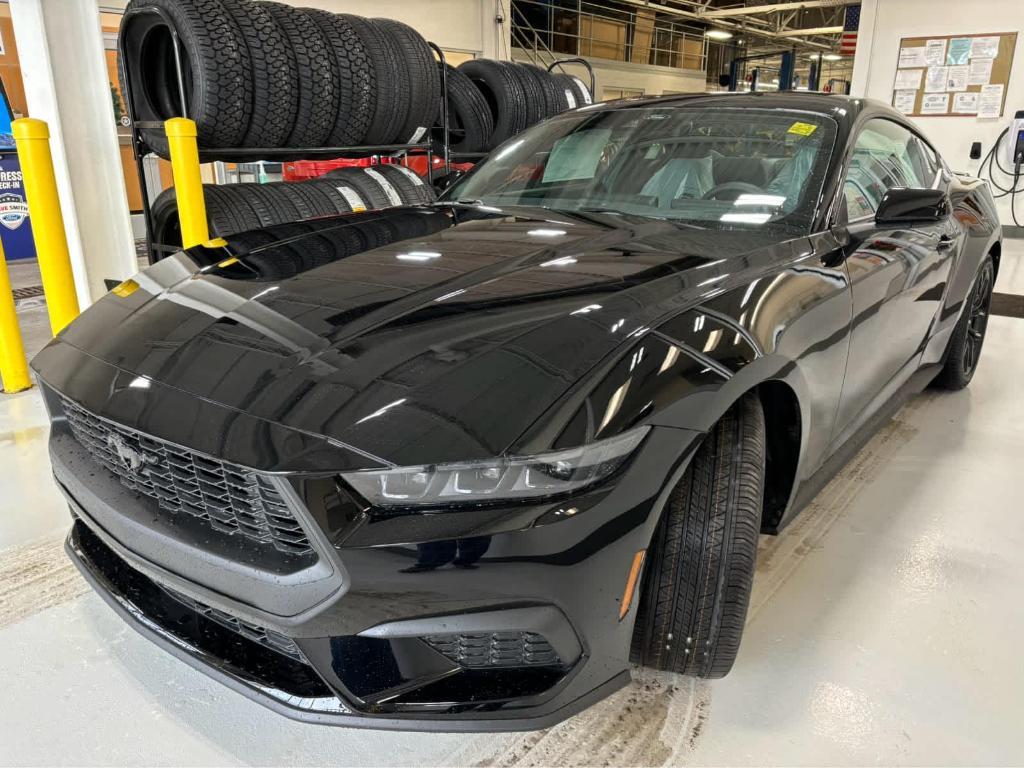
188 183
33 140
13 365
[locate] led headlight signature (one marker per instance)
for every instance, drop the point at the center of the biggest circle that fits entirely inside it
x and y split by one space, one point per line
504 478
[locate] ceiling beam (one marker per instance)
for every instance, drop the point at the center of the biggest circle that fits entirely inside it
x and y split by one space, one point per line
751 10
740 27
807 32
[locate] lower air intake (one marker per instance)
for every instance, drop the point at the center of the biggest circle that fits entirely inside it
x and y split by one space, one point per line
268 638
496 649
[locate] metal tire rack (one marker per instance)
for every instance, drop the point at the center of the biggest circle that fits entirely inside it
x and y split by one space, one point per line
251 154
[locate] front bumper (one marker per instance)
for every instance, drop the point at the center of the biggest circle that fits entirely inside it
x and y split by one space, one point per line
288 687
383 628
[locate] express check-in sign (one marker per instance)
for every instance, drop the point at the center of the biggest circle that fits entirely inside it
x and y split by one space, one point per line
15 226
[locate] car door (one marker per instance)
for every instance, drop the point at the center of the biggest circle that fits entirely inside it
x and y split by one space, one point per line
897 274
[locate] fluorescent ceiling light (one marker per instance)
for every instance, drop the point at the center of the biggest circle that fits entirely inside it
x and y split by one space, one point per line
718 34
831 57
546 232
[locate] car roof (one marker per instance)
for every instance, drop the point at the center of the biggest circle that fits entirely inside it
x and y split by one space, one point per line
843 109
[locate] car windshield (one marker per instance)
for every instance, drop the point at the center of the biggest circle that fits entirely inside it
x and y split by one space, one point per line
709 167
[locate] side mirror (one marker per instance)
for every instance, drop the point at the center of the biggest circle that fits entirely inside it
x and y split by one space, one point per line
911 205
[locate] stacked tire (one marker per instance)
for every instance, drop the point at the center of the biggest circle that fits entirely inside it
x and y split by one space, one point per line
491 101
262 74
234 208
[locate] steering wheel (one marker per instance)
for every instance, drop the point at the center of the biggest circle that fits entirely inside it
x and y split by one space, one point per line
739 187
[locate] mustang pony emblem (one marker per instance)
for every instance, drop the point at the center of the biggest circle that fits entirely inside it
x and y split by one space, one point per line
130 458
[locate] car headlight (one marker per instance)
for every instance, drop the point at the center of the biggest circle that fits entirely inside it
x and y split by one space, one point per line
501 479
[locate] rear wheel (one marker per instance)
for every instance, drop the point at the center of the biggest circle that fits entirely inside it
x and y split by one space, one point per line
696 585
969 335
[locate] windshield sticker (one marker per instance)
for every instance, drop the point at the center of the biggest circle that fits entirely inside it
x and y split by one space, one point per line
802 129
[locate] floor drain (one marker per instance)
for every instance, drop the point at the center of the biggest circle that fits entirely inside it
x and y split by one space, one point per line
27 293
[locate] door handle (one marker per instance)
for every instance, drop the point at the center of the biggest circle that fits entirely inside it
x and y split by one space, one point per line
945 243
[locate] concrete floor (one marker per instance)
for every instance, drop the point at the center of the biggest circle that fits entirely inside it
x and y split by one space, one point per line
885 626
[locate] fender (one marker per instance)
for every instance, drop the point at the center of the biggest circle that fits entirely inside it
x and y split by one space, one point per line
975 210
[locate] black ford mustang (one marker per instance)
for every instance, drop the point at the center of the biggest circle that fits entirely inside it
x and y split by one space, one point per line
454 467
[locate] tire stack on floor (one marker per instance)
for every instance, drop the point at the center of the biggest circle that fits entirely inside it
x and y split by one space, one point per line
491 101
262 74
234 208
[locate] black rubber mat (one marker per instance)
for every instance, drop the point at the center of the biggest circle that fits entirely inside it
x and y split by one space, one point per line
1007 305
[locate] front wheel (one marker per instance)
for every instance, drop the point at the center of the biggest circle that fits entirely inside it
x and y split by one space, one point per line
969 335
696 587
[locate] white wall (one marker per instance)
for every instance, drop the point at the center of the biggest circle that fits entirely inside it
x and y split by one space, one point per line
463 25
650 79
885 22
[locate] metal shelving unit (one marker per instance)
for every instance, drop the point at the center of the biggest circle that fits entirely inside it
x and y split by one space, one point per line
141 149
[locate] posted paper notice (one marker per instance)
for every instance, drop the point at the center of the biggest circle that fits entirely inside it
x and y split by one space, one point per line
959 50
936 80
904 101
981 72
958 77
965 103
912 57
935 104
935 53
990 101
908 79
984 47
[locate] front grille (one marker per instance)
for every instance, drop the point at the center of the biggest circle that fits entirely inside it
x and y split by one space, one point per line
232 499
496 649
268 638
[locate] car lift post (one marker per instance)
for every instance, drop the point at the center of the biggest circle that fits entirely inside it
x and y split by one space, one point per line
188 181
787 71
32 138
814 76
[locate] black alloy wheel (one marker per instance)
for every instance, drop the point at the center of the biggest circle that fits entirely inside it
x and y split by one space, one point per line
981 301
964 350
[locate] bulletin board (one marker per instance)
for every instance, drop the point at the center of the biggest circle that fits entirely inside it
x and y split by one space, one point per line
954 76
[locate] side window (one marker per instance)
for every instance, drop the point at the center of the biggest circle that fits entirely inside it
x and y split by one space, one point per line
886 155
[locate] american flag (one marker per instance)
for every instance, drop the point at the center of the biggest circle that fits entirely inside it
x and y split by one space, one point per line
848 46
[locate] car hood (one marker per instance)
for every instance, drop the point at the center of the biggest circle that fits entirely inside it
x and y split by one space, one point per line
412 335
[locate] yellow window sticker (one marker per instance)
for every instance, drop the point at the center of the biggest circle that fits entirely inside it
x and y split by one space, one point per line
802 129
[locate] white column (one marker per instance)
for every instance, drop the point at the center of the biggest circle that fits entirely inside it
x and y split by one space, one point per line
865 43
496 38
60 47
